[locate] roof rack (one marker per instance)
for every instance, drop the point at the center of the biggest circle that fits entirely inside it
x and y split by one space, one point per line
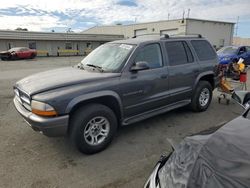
166 36
146 34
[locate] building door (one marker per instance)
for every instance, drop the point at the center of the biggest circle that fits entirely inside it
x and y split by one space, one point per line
140 32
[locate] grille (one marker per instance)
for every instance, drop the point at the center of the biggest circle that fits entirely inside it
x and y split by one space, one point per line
23 98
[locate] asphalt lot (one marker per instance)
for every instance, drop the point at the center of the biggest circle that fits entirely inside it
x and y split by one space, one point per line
29 159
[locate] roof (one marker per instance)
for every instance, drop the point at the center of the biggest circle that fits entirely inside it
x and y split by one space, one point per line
161 21
31 35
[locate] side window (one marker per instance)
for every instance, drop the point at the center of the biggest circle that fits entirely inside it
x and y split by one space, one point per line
151 54
242 50
248 48
178 53
203 50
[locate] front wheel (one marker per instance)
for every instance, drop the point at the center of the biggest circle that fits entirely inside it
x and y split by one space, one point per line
92 128
32 56
202 96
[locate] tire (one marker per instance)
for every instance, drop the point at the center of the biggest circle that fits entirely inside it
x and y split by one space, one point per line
202 96
84 128
32 56
3 58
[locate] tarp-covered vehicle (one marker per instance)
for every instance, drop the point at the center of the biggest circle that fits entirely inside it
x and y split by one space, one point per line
217 160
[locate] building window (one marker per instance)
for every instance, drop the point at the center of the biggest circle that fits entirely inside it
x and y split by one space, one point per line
68 46
89 45
32 45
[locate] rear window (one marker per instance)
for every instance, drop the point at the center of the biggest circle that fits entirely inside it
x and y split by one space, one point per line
203 50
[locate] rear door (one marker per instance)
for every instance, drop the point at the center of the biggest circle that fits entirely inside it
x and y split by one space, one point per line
183 70
145 90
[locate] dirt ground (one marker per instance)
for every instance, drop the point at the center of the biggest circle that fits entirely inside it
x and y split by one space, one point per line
29 159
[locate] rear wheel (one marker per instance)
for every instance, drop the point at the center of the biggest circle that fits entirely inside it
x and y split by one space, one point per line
93 128
202 96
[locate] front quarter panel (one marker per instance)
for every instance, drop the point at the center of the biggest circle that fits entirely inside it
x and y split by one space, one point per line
63 99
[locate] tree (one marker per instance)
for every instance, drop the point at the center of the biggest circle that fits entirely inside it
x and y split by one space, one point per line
21 29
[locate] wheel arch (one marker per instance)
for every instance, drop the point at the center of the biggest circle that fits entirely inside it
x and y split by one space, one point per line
107 98
206 76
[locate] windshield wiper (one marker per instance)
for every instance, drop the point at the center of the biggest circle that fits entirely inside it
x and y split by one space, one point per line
96 66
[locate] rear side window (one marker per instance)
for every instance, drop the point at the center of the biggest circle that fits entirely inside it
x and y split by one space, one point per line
178 53
151 54
203 50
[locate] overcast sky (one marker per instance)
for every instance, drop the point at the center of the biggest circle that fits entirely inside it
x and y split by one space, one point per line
45 15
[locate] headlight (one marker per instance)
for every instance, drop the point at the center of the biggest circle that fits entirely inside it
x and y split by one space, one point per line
42 109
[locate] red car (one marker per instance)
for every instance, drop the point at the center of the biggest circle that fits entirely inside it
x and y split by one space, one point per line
18 53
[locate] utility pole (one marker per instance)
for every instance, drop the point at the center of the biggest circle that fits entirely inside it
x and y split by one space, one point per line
188 13
183 16
168 15
237 26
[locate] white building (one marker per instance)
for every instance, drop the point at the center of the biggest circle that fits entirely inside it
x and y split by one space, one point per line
54 44
217 32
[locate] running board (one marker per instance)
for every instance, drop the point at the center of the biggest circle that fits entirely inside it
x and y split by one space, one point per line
155 112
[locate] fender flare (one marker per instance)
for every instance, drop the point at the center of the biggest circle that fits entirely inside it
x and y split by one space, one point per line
207 73
94 95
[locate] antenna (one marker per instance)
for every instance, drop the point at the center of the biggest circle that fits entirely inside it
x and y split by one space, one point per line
183 15
168 15
237 26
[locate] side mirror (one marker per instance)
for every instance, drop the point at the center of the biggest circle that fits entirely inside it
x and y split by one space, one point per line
242 97
140 65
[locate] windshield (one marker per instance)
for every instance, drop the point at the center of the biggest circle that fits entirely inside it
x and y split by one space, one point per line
228 50
109 57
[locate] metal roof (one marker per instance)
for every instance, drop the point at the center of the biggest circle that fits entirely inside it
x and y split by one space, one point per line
30 35
160 21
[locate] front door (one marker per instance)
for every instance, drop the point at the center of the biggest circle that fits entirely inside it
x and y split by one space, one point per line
145 90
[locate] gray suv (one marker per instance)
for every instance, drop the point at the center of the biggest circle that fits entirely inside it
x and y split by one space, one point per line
117 84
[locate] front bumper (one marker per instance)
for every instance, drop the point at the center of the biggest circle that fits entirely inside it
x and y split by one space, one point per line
52 126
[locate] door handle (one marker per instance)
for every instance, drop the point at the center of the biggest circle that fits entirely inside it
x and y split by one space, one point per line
164 76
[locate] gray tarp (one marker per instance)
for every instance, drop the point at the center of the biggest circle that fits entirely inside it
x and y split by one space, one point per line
221 159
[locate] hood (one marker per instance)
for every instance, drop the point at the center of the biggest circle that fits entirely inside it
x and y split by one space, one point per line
225 55
226 58
4 52
57 78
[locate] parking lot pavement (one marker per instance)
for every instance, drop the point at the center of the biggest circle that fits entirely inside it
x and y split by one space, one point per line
29 159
